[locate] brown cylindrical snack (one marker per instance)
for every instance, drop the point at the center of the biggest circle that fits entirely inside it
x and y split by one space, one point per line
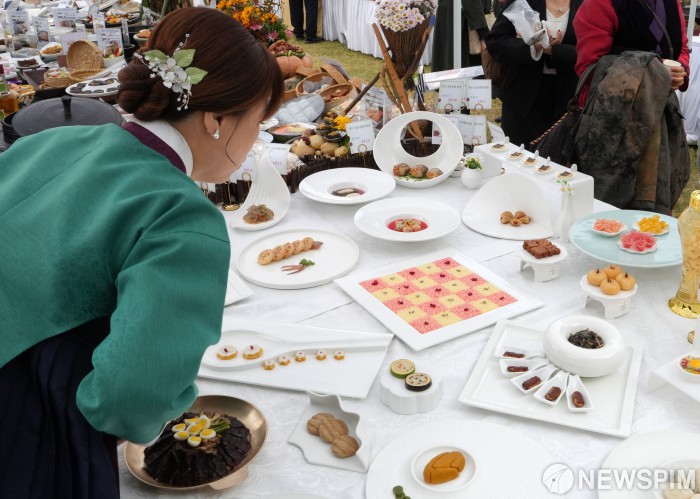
517 369
553 393
344 446
577 399
330 429
531 383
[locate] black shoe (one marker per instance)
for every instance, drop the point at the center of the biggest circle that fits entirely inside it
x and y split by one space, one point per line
299 37
315 39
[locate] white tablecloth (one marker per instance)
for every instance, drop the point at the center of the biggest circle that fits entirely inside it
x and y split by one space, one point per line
691 100
350 22
281 467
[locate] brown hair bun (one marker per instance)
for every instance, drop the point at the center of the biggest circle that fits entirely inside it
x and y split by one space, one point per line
241 71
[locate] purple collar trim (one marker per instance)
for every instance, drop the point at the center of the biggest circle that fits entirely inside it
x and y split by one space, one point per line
152 141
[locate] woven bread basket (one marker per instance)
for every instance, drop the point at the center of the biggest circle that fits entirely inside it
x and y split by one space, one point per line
350 93
316 77
62 79
83 74
84 55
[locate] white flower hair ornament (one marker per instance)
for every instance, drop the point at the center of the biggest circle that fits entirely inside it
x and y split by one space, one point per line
175 71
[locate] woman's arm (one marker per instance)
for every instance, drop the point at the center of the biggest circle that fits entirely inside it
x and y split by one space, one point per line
505 46
684 56
595 24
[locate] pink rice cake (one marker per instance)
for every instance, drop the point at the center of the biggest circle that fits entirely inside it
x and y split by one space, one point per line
393 279
502 299
397 304
447 263
484 305
466 311
406 288
417 298
447 318
451 301
425 325
385 294
372 285
486 289
459 271
469 295
437 291
423 282
474 280
432 307
455 286
442 276
411 314
411 274
429 268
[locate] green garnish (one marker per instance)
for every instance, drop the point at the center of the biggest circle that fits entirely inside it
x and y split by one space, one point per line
398 492
306 263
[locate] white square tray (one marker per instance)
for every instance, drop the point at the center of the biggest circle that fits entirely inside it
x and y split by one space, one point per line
612 395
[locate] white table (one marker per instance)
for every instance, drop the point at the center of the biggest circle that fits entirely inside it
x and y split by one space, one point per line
281 468
350 22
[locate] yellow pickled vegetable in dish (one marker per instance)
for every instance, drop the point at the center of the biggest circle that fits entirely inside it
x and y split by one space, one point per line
652 224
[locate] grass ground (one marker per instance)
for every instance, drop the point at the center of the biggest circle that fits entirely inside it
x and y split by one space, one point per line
365 67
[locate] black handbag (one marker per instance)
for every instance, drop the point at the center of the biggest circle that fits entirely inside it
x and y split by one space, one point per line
557 143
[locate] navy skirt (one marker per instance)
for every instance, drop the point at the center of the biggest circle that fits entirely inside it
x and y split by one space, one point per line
48 449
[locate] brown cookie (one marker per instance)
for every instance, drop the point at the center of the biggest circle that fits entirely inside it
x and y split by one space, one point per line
506 217
515 222
344 446
331 429
316 420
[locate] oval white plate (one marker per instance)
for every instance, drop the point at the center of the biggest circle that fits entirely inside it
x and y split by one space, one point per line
336 257
635 252
608 234
108 90
423 458
374 218
319 186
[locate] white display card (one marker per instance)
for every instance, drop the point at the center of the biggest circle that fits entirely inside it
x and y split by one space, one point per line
247 169
456 120
109 38
478 94
277 154
361 135
452 95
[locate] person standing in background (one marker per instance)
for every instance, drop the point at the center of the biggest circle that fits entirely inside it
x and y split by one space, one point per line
473 17
296 12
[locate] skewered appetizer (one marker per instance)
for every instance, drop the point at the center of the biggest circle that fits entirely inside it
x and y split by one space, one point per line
287 250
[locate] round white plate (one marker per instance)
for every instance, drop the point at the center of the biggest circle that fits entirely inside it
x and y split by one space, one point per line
595 292
320 186
374 218
649 451
494 447
663 232
635 252
421 460
336 257
107 90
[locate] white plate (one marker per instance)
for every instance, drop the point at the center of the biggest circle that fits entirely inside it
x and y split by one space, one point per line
236 289
663 232
270 189
421 460
374 218
512 192
350 377
107 90
320 186
635 252
649 451
336 257
525 256
316 450
595 292
494 447
607 234
613 394
388 150
431 278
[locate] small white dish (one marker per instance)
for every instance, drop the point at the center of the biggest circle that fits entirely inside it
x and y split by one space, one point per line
530 364
545 269
662 233
544 373
421 460
585 362
528 353
374 219
635 252
695 378
393 393
96 91
676 466
609 234
559 380
614 305
316 450
544 169
500 147
320 186
576 385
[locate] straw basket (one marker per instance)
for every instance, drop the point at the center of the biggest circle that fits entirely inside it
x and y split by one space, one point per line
83 74
349 93
84 55
58 82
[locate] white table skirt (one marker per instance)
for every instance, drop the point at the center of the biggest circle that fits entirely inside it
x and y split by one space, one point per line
281 468
350 22
691 100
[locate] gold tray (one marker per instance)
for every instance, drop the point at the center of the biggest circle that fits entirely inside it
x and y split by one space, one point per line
246 412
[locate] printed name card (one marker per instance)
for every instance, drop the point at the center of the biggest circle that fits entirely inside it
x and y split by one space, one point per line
497 133
277 155
451 97
361 135
68 39
42 31
125 31
65 17
478 94
109 39
456 120
476 129
19 22
98 21
247 169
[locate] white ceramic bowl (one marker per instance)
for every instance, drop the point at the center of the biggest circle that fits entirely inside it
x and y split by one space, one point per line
686 375
423 458
587 363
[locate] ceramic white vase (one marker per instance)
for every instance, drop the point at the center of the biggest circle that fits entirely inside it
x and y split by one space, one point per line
471 178
566 218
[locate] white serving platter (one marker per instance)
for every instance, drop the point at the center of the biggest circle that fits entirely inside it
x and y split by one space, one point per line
495 448
236 289
648 451
336 257
269 189
512 192
373 219
320 186
404 330
316 450
350 377
105 90
613 395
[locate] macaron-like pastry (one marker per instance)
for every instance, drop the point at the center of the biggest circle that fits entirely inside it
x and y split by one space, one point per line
268 365
418 382
252 352
610 287
226 352
612 271
339 355
626 281
401 368
321 355
300 356
595 277
284 360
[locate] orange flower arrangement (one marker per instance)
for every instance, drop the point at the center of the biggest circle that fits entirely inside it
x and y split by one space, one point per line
259 17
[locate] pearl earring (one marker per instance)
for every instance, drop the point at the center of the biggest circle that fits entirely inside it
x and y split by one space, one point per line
215 134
